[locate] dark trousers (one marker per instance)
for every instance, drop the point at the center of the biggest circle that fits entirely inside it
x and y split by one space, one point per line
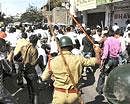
108 67
5 95
32 84
20 74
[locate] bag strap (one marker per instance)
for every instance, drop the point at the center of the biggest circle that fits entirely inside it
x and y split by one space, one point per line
63 58
66 65
26 53
49 61
71 77
68 70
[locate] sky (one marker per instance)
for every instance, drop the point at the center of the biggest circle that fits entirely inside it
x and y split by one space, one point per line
12 7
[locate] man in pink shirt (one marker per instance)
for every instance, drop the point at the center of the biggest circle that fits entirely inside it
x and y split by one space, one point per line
110 59
111 48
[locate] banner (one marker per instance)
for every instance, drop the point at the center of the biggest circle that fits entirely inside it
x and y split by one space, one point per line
82 5
100 2
85 4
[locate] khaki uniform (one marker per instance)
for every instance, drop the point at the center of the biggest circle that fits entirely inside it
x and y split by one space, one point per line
61 77
31 56
20 43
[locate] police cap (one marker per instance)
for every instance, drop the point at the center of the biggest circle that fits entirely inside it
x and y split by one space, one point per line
65 41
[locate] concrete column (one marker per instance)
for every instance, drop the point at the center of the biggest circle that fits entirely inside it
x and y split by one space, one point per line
84 17
73 10
107 16
0 7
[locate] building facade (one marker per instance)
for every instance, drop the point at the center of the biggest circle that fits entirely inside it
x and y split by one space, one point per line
100 12
60 16
121 13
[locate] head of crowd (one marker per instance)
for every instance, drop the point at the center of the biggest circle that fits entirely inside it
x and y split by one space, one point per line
11 33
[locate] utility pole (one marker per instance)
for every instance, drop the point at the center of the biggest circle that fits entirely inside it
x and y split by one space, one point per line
29 4
0 7
49 6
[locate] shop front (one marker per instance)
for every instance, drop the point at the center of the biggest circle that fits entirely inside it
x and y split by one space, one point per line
121 13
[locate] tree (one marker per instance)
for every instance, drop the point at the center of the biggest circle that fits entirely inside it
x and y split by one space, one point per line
32 15
4 20
9 20
2 16
54 3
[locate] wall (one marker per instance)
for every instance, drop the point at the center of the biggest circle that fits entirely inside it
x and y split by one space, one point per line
121 13
60 15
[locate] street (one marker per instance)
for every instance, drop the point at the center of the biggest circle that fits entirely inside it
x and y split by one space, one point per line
88 86
90 96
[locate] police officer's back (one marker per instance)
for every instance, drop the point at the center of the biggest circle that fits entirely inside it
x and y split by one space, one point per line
64 89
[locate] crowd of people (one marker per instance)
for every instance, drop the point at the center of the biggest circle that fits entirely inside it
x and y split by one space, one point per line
61 52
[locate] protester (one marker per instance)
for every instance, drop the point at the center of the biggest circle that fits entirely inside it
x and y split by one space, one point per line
5 95
2 33
98 35
70 33
123 55
88 50
127 25
110 58
115 27
12 37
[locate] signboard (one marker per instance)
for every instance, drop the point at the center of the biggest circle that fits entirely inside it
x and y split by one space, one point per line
85 4
100 2
91 4
121 17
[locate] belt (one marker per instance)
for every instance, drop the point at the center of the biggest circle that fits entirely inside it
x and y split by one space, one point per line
114 58
67 90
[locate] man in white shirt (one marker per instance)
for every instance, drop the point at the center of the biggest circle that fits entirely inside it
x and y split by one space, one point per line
115 27
71 34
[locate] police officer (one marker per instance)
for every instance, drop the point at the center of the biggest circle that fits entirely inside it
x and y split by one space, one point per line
20 43
30 59
117 88
64 90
